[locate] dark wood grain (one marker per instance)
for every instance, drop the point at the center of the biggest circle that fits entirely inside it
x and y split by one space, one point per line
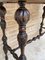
28 1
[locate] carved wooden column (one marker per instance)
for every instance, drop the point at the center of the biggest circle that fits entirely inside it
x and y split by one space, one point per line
22 17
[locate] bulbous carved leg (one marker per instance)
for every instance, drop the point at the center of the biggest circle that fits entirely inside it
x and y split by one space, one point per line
22 16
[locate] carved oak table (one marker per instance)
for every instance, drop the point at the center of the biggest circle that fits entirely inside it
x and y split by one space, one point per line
22 17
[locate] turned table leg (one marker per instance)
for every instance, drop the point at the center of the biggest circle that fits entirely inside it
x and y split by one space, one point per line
22 16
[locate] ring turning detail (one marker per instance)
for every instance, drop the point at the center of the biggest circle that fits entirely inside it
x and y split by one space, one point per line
22 17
